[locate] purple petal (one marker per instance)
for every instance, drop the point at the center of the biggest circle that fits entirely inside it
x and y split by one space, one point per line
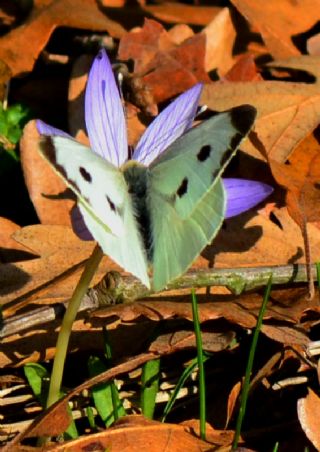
169 125
244 194
45 129
78 225
104 114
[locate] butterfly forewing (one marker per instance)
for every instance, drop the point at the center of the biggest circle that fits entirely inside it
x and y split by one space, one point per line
187 199
99 184
192 164
103 200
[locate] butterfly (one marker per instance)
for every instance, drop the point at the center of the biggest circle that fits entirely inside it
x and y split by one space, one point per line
161 215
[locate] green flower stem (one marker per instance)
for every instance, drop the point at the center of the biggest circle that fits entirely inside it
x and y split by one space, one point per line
67 322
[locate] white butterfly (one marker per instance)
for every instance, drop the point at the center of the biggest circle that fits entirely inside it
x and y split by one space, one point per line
166 205
162 212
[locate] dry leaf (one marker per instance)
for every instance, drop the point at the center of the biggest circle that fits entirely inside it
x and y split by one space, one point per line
5 75
133 433
232 400
244 70
221 35
180 13
301 177
45 17
281 23
59 250
167 69
286 335
180 340
309 414
217 437
10 250
287 112
42 182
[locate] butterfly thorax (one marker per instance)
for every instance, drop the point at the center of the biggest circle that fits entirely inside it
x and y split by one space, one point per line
136 176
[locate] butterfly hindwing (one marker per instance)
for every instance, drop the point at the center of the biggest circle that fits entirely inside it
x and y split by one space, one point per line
103 199
187 200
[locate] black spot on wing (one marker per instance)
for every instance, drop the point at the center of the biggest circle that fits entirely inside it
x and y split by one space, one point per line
204 153
243 117
111 204
226 156
49 151
85 174
182 190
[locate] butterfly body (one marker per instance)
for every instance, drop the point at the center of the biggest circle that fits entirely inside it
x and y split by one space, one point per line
163 214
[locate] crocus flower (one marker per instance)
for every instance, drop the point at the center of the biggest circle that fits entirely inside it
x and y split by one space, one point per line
106 127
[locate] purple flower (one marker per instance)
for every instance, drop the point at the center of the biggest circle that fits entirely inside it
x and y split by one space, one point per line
106 126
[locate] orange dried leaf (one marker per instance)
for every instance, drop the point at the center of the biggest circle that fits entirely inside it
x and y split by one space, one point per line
220 39
309 414
301 177
180 13
287 112
45 17
167 69
133 433
42 181
280 22
244 70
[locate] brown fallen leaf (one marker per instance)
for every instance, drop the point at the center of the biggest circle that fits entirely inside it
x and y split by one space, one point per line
181 13
5 75
244 70
132 433
77 84
216 437
220 40
281 23
233 400
212 341
167 69
301 177
10 250
287 112
308 414
286 335
44 18
42 182
313 45
58 249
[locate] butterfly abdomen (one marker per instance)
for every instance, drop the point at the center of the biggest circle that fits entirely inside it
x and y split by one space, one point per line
136 176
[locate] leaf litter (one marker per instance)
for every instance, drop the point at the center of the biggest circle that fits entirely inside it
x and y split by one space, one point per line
41 263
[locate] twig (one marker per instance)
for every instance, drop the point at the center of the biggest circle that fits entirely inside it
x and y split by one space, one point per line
114 289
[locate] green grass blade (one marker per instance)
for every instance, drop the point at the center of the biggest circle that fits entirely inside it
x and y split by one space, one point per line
38 379
102 394
200 359
150 386
183 377
246 383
